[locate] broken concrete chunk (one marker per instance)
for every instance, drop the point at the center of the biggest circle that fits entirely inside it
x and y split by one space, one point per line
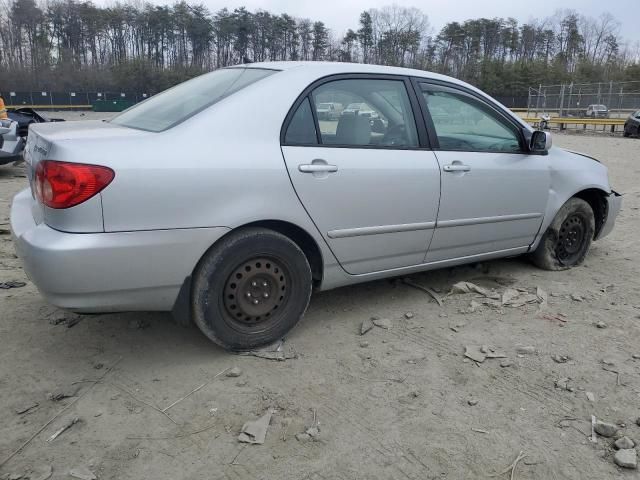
313 432
590 396
26 408
234 372
255 431
474 353
605 429
382 323
526 350
601 324
626 458
560 358
506 363
366 326
303 437
468 287
408 315
624 443
83 473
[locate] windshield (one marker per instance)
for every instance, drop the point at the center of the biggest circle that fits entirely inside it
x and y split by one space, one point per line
181 102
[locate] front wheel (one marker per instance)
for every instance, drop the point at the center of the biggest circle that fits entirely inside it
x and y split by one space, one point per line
251 289
567 240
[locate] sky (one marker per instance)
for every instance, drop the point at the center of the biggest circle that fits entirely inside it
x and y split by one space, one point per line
339 15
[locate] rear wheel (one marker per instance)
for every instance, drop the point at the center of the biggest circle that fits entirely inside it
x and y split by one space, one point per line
567 240
251 289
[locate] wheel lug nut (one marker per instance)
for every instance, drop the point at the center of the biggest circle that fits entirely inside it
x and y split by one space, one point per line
265 295
265 284
254 284
248 294
256 301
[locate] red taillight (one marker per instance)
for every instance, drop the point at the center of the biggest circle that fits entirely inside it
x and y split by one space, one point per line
63 184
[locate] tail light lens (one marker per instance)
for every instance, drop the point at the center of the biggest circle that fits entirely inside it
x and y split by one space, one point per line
64 185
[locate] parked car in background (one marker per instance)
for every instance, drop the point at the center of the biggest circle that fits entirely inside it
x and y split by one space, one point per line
597 111
11 143
632 125
26 116
329 111
361 110
234 229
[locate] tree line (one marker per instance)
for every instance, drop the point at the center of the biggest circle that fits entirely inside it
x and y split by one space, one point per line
75 45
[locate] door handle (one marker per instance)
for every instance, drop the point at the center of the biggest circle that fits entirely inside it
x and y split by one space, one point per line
456 167
318 168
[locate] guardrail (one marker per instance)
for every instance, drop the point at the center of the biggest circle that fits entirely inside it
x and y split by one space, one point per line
564 121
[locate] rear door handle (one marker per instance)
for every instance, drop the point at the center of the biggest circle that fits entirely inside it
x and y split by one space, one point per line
456 167
318 168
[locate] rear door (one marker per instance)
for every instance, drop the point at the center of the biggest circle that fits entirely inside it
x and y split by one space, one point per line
365 177
494 192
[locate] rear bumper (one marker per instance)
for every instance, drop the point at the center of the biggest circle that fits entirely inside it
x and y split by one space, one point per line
614 203
107 272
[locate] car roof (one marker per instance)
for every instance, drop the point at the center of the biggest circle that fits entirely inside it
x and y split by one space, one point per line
329 68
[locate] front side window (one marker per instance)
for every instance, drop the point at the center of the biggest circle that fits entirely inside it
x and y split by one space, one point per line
181 102
375 113
466 124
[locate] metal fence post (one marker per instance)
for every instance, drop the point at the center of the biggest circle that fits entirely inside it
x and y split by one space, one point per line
561 100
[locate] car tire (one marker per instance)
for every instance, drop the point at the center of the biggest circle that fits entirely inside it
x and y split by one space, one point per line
250 289
566 242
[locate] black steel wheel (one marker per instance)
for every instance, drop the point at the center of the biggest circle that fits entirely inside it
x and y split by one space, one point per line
567 240
250 289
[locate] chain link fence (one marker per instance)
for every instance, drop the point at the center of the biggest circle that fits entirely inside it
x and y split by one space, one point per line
585 100
53 100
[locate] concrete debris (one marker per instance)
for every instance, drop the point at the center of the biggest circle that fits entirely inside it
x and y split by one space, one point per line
496 355
601 324
590 396
605 429
83 473
474 353
66 426
408 315
366 326
276 356
27 408
303 437
11 284
472 402
608 361
638 421
364 344
473 307
62 394
382 323
576 298
255 431
526 350
560 358
624 443
563 384
313 432
234 372
506 363
427 290
468 287
626 458
635 356
484 349
542 297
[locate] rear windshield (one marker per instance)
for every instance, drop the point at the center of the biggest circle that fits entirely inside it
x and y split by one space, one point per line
175 105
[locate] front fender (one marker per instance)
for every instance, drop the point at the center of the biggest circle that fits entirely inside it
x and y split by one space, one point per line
571 174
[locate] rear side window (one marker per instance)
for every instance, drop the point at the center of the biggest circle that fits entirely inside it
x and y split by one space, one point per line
302 129
181 102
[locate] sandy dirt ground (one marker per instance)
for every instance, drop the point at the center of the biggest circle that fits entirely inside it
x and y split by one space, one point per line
397 403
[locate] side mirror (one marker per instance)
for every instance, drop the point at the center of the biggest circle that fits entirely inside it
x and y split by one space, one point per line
540 141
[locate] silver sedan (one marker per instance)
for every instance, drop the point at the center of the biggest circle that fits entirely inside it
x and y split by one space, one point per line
227 200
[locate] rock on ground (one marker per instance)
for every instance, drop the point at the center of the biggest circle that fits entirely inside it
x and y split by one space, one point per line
626 458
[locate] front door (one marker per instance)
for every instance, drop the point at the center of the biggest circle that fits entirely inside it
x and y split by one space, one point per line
370 189
494 192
